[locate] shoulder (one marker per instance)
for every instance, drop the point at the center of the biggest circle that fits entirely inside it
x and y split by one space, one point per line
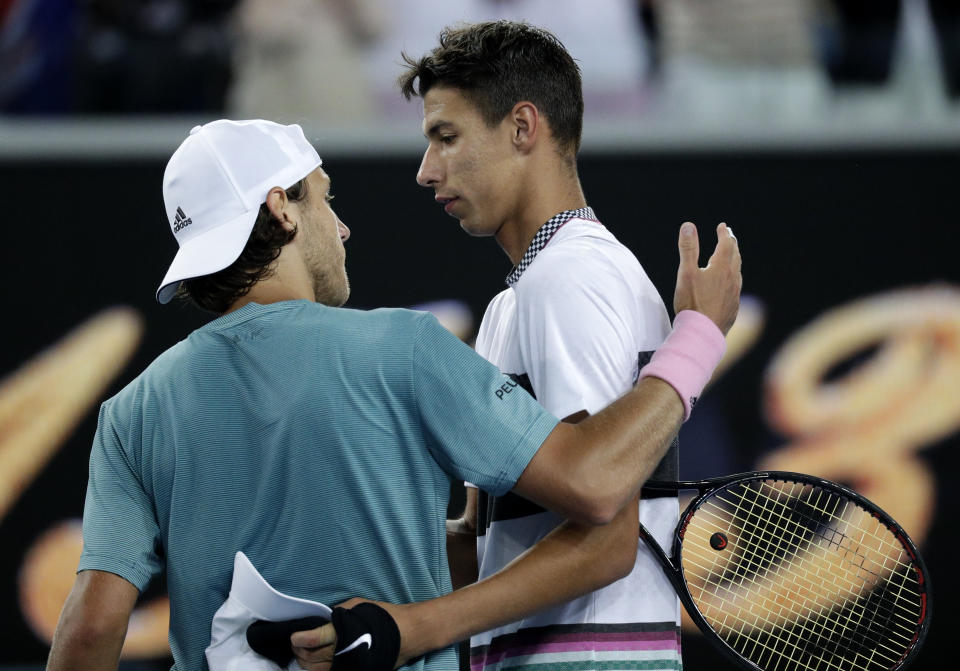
588 271
394 321
411 330
499 305
359 328
159 380
497 323
584 257
307 326
326 317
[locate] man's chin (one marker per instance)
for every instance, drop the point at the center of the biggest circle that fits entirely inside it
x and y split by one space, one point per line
344 296
474 230
335 298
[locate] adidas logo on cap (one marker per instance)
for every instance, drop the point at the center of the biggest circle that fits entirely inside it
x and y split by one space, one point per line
181 221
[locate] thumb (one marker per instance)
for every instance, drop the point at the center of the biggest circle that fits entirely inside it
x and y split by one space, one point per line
689 245
314 638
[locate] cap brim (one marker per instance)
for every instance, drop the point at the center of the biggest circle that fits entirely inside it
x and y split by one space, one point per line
207 253
256 594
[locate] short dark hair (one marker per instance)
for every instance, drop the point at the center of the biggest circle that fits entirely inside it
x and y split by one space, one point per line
499 63
217 292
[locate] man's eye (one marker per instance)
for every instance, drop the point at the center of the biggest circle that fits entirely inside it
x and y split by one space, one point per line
447 139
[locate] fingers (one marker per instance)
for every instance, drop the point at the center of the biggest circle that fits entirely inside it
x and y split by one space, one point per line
735 259
310 663
314 659
689 246
314 638
314 648
726 248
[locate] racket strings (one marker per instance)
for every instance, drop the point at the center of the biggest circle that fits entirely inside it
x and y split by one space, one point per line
804 582
825 637
793 527
828 628
812 631
759 555
792 552
767 511
805 639
883 541
747 564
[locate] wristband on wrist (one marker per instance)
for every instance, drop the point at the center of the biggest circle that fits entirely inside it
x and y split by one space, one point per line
688 357
368 638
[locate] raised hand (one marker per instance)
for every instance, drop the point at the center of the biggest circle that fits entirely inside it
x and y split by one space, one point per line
715 289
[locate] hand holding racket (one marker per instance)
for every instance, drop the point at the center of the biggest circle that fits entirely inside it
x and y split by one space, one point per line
784 571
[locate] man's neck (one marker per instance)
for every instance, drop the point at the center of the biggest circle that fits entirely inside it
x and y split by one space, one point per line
264 294
287 281
517 232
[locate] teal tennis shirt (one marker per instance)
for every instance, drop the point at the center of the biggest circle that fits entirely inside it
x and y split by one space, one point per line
319 441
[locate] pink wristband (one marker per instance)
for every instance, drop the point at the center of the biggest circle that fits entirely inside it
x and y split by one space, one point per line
688 356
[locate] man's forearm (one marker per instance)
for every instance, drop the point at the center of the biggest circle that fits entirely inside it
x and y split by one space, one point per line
93 624
588 471
78 650
572 560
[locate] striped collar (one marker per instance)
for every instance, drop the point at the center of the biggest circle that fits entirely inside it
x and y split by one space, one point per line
544 235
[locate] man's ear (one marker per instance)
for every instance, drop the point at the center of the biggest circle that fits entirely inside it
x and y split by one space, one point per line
526 127
279 206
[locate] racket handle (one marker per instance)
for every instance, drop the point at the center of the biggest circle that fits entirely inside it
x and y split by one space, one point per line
688 357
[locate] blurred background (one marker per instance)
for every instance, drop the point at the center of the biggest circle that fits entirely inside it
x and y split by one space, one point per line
826 132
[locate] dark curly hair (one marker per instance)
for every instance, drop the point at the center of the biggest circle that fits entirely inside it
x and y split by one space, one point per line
217 292
496 65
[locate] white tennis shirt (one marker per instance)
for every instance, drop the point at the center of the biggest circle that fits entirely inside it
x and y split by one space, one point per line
578 320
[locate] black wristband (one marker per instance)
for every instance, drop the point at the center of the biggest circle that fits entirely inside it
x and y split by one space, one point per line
367 639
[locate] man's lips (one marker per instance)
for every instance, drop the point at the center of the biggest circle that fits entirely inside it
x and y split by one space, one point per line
447 202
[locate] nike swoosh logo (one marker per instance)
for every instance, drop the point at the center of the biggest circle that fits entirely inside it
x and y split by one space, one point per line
366 639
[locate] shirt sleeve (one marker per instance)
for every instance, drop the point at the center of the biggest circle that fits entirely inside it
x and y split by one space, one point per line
578 334
120 530
481 425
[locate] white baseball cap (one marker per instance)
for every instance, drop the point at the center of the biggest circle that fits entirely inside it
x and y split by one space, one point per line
214 185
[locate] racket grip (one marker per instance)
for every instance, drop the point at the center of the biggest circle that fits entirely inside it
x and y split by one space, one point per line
688 357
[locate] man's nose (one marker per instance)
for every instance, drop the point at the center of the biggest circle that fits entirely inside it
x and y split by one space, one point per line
429 172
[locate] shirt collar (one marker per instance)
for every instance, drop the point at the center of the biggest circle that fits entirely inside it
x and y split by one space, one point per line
543 236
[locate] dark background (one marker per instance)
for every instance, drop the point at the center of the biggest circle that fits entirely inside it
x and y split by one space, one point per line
817 229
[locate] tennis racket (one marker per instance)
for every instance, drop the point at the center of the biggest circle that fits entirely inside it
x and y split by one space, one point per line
789 572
